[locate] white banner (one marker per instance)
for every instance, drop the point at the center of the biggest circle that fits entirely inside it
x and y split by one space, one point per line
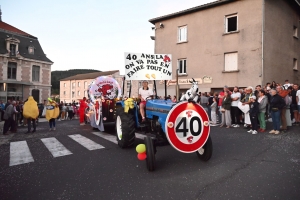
142 66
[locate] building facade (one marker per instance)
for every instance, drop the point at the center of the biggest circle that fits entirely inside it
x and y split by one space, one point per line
75 87
231 42
24 68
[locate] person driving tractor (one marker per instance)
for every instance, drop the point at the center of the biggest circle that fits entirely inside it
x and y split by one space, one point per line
144 93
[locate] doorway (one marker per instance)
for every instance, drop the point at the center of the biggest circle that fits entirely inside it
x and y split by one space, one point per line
36 95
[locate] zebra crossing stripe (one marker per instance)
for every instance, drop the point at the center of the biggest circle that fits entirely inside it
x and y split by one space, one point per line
87 143
55 147
19 153
111 138
140 136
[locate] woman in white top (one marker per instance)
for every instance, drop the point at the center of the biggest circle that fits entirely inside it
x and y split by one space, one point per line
144 92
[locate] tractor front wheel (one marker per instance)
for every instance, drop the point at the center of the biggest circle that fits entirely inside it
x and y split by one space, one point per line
205 152
125 128
150 160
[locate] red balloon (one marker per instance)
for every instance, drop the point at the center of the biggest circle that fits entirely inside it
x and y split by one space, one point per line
142 156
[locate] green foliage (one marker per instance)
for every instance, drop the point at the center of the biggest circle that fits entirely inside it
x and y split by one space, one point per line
56 76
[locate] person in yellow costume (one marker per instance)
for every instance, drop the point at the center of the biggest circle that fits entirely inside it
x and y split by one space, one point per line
52 112
31 113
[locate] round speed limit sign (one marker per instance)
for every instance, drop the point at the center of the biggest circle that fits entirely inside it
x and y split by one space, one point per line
187 127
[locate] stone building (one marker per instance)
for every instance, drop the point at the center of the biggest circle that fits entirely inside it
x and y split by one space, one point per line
231 42
24 68
75 87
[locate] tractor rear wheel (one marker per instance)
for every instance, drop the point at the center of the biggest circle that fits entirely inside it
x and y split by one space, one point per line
125 128
150 160
205 152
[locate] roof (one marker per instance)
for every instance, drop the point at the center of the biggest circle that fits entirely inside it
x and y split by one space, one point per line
190 10
13 29
25 39
89 75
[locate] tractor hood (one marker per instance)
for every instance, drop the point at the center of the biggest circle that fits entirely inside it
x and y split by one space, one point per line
159 105
159 108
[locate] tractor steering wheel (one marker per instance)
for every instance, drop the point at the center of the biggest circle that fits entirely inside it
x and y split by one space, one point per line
150 97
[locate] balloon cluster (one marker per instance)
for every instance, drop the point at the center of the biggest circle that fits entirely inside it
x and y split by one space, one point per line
141 150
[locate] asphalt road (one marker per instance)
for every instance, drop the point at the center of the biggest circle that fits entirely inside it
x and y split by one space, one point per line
243 166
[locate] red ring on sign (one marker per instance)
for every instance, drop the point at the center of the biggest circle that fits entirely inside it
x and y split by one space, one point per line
170 132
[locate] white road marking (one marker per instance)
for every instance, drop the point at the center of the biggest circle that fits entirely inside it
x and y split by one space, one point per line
140 136
55 147
19 153
87 143
111 138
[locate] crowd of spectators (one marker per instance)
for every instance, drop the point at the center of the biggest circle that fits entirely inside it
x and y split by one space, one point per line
252 107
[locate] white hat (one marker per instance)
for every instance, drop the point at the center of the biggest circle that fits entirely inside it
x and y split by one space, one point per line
253 97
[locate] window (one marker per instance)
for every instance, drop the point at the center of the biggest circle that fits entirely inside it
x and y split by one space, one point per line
182 66
73 94
231 61
35 73
78 84
182 34
78 93
64 84
64 93
128 84
295 32
31 50
73 85
231 23
12 49
295 64
12 70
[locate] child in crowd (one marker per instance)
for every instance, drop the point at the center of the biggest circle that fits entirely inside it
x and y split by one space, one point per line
254 111
214 112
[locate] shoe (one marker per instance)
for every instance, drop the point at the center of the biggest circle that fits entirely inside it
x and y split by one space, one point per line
272 131
259 130
221 126
250 131
277 132
245 125
54 129
50 129
262 130
81 124
236 126
233 125
58 120
254 132
227 126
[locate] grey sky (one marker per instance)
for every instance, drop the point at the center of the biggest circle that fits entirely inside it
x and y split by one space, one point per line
91 34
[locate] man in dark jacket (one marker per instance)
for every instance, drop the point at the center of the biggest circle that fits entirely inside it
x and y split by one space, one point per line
8 117
276 105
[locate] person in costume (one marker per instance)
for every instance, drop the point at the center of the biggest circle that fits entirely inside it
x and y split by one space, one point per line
31 113
52 112
82 107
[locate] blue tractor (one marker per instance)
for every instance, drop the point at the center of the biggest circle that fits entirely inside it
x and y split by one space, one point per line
128 122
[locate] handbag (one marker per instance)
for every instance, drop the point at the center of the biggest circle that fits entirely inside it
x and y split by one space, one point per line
44 112
222 110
